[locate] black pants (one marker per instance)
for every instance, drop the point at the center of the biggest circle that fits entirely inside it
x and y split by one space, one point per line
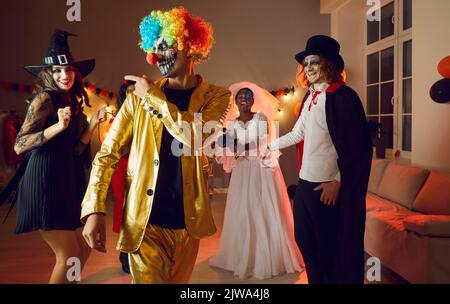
315 233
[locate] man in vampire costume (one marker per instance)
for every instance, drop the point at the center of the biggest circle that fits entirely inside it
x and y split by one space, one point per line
329 203
166 209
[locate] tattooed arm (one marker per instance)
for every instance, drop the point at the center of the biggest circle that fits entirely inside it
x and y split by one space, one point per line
32 133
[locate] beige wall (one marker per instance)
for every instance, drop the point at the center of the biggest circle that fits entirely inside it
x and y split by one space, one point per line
431 121
431 43
348 29
256 40
329 6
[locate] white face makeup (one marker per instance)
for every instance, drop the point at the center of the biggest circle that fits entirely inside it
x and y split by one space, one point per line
63 76
167 55
311 66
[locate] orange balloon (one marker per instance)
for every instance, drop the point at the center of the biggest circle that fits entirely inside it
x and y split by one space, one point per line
444 67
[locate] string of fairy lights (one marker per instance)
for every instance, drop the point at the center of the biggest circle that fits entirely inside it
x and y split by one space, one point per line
25 88
285 95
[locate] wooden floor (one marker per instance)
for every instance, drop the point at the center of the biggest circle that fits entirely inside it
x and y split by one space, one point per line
25 258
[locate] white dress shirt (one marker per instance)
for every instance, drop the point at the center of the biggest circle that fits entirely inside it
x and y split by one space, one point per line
319 163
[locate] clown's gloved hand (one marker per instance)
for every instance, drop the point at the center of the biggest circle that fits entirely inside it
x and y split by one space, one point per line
154 100
142 85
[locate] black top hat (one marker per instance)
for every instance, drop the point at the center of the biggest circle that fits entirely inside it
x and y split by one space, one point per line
323 46
59 54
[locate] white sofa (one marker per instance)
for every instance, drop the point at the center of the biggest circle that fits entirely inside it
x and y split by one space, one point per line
408 221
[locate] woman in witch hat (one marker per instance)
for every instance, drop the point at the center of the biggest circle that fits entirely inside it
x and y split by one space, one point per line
56 135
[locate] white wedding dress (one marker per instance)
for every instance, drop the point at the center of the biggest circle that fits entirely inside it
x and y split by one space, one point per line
258 232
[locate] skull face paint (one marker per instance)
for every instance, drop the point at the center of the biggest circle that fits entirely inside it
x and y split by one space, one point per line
312 68
167 56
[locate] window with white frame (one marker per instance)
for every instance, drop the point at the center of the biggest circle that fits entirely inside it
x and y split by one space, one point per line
388 54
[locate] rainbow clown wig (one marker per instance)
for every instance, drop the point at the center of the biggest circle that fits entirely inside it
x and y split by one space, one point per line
178 27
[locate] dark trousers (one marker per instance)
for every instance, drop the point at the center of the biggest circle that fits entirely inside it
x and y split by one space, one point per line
315 233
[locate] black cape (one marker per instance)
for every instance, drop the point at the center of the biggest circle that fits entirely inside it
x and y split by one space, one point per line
349 131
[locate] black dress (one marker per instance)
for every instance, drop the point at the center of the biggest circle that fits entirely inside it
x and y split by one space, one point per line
52 187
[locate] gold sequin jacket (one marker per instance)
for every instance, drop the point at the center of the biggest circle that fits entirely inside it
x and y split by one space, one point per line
138 128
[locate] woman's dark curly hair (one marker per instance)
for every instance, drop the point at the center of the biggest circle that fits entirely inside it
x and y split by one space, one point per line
45 82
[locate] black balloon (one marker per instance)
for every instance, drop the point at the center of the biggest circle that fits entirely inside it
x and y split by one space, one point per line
440 91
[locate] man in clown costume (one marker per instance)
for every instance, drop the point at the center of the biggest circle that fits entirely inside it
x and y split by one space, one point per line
166 210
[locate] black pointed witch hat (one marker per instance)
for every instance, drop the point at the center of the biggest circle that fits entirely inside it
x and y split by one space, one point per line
59 54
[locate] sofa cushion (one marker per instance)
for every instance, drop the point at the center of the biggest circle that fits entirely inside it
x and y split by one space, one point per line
416 258
434 197
376 173
391 220
375 203
401 183
429 225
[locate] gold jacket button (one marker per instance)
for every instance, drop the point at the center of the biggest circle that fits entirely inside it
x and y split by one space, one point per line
159 116
150 192
156 162
155 112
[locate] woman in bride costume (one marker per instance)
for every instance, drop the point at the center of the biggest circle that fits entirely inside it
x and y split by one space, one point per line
258 234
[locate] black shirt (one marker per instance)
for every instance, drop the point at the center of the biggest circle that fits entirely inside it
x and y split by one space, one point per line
168 209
